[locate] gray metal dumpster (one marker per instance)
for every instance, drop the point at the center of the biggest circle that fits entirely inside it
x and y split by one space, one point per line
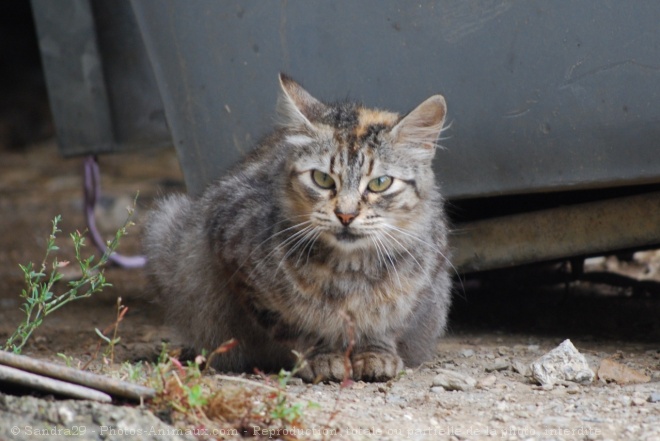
545 98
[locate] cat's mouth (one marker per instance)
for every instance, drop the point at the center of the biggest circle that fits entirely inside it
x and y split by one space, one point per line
347 235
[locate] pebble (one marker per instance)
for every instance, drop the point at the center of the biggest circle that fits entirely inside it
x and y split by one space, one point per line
654 397
625 400
555 421
66 415
486 382
452 380
574 389
562 363
467 353
499 364
637 401
522 368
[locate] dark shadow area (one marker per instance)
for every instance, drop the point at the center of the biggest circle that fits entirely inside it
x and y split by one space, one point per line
24 112
514 301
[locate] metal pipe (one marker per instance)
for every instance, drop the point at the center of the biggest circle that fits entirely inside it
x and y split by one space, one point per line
574 230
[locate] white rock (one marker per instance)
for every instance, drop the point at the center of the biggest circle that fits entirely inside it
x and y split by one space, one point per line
564 363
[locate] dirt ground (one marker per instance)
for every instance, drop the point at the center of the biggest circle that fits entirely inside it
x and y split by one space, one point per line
497 325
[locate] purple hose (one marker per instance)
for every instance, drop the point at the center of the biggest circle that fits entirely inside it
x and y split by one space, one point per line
92 191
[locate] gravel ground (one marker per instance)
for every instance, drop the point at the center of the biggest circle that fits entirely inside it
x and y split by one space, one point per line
498 327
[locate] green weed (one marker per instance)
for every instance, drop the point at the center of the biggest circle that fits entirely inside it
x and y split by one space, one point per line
40 299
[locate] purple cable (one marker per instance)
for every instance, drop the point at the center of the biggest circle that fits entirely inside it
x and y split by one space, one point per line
92 191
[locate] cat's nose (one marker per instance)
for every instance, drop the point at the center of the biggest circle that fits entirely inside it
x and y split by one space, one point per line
346 218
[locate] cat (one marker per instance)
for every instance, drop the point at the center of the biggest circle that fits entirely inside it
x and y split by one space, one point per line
329 239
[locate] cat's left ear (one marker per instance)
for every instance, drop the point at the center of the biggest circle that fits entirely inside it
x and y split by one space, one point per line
420 129
296 107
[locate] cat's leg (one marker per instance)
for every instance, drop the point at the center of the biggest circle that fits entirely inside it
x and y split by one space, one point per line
418 341
329 366
376 361
323 362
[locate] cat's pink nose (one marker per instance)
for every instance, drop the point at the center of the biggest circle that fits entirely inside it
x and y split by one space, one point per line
346 218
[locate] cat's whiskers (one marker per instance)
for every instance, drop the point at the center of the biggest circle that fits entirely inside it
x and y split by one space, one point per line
302 240
433 247
272 236
381 257
284 243
403 247
310 246
377 236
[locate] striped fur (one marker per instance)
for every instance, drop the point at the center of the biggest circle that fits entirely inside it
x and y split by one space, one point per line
264 255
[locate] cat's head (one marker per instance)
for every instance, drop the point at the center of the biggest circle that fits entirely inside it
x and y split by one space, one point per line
358 176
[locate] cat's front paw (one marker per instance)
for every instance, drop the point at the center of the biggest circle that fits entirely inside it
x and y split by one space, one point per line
376 366
324 367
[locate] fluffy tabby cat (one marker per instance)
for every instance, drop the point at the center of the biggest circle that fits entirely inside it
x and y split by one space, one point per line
331 230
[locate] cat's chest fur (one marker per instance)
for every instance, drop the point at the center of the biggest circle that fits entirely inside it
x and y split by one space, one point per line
339 290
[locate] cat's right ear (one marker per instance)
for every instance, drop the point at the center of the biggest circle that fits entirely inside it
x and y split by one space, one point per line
296 108
420 129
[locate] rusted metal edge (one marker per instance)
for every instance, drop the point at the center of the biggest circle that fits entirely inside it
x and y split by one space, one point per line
110 385
575 230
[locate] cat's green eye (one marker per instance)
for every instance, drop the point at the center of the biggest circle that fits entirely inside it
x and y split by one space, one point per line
323 180
379 184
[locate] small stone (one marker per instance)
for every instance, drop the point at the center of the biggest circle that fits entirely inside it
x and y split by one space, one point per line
499 364
522 368
66 415
467 353
624 400
562 363
574 389
438 389
654 397
486 382
500 418
555 421
637 401
611 371
452 380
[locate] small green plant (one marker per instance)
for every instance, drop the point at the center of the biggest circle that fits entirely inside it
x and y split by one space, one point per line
39 296
134 372
112 341
67 359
